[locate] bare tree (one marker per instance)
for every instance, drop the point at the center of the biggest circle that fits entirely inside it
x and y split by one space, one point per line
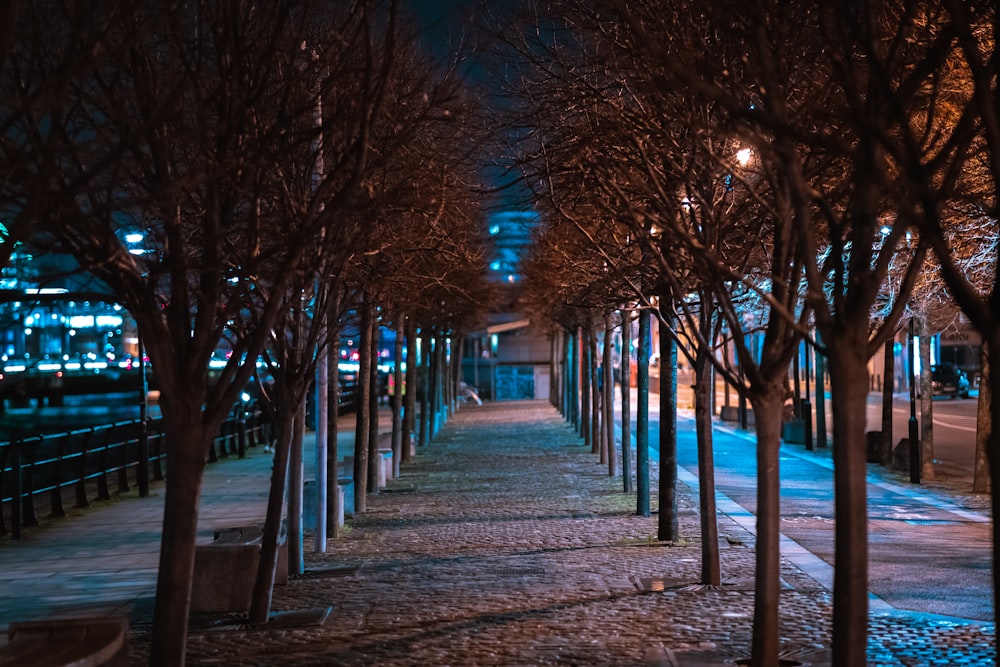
177 135
948 149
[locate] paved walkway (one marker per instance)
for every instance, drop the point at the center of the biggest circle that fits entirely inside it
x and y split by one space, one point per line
503 543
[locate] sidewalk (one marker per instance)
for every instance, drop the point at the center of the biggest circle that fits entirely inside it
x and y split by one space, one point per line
104 560
503 543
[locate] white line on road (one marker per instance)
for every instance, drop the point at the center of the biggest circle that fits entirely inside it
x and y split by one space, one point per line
808 562
931 500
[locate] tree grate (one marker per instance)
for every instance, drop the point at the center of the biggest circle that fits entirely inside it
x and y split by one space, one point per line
517 572
408 488
676 585
327 572
803 657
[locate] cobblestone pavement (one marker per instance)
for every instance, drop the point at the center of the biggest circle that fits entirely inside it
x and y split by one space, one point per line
505 542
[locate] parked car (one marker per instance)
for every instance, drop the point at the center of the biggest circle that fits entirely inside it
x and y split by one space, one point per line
947 379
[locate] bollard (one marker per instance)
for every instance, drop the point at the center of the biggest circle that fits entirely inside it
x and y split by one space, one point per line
915 463
142 469
807 419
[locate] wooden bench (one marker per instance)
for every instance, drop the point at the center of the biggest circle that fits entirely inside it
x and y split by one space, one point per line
225 570
80 642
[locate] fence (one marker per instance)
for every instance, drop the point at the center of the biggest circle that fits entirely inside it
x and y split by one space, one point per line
69 467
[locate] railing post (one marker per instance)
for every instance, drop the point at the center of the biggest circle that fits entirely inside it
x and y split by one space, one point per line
212 457
81 479
28 516
102 477
123 486
142 468
241 432
15 507
158 458
4 455
55 498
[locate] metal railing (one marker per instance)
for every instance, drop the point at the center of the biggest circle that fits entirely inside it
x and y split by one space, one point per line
75 466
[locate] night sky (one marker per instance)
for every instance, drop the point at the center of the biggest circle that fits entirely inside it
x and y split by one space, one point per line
442 22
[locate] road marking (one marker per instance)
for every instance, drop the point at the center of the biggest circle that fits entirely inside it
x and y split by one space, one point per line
940 422
925 497
808 562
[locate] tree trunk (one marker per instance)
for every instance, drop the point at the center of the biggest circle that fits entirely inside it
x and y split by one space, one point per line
187 445
609 400
595 394
668 529
564 374
768 406
888 385
642 418
260 605
435 377
586 428
849 389
711 574
626 357
576 369
926 404
424 387
322 449
363 391
566 357
821 397
409 387
981 474
991 343
374 458
397 400
332 429
296 479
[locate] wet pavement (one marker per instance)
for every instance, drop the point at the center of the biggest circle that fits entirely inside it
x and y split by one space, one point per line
505 542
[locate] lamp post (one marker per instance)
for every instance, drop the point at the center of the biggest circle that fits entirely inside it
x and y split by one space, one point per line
807 418
914 437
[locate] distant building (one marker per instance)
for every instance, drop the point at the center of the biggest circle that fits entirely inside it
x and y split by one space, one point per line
511 357
510 234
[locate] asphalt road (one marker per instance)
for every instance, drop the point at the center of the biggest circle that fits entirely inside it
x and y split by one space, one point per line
954 430
929 551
